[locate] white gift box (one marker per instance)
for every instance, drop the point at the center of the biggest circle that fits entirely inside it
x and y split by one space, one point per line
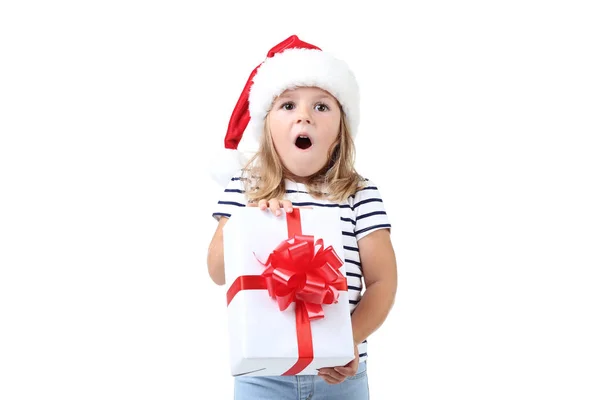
263 341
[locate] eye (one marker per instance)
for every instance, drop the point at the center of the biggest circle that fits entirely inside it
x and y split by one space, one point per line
288 106
322 107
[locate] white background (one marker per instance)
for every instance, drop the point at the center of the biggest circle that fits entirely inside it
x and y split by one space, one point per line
480 124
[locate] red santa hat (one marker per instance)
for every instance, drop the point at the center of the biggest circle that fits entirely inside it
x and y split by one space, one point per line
292 63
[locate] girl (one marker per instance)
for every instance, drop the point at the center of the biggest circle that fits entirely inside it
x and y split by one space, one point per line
296 119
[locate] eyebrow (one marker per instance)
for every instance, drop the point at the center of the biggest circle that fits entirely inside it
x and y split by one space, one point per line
319 97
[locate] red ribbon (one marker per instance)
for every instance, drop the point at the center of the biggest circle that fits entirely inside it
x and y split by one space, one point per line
299 270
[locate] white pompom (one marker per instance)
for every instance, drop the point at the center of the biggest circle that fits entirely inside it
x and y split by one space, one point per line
224 164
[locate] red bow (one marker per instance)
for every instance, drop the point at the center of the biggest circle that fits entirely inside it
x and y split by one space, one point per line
296 272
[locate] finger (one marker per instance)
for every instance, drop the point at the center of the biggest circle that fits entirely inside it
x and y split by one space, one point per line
333 374
275 206
262 204
252 204
346 371
287 205
330 379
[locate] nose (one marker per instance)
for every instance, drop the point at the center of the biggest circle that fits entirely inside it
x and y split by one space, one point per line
303 116
303 120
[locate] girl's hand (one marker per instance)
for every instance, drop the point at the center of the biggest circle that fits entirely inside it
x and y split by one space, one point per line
274 205
337 375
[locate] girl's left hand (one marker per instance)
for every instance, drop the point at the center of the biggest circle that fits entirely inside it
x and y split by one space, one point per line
337 375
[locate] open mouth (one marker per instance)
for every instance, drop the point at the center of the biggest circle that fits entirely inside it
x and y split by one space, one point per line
303 142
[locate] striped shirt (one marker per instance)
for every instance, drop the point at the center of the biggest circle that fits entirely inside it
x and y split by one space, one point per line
361 214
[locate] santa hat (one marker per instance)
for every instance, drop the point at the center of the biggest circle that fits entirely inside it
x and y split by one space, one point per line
292 63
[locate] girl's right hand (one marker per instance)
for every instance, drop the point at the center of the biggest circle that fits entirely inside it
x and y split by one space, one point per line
274 205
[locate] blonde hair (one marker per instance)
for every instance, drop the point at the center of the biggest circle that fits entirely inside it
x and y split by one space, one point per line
264 174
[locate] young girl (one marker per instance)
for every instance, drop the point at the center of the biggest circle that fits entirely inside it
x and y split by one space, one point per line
296 119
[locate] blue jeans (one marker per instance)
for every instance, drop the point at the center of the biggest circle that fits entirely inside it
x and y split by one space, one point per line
302 387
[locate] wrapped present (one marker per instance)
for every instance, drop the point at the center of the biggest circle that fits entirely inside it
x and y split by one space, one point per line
287 296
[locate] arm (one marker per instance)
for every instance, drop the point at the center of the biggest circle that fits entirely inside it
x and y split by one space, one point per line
379 271
215 260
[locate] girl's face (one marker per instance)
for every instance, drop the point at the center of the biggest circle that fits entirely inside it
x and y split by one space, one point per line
304 124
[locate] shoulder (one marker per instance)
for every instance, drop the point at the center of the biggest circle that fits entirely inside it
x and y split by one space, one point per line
235 183
369 210
241 179
232 197
367 190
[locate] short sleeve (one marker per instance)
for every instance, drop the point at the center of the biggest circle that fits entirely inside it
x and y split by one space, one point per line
369 211
233 197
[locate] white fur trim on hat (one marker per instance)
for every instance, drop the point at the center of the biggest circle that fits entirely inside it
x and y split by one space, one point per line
303 67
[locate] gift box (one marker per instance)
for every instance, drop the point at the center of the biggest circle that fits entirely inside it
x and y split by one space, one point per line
287 297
